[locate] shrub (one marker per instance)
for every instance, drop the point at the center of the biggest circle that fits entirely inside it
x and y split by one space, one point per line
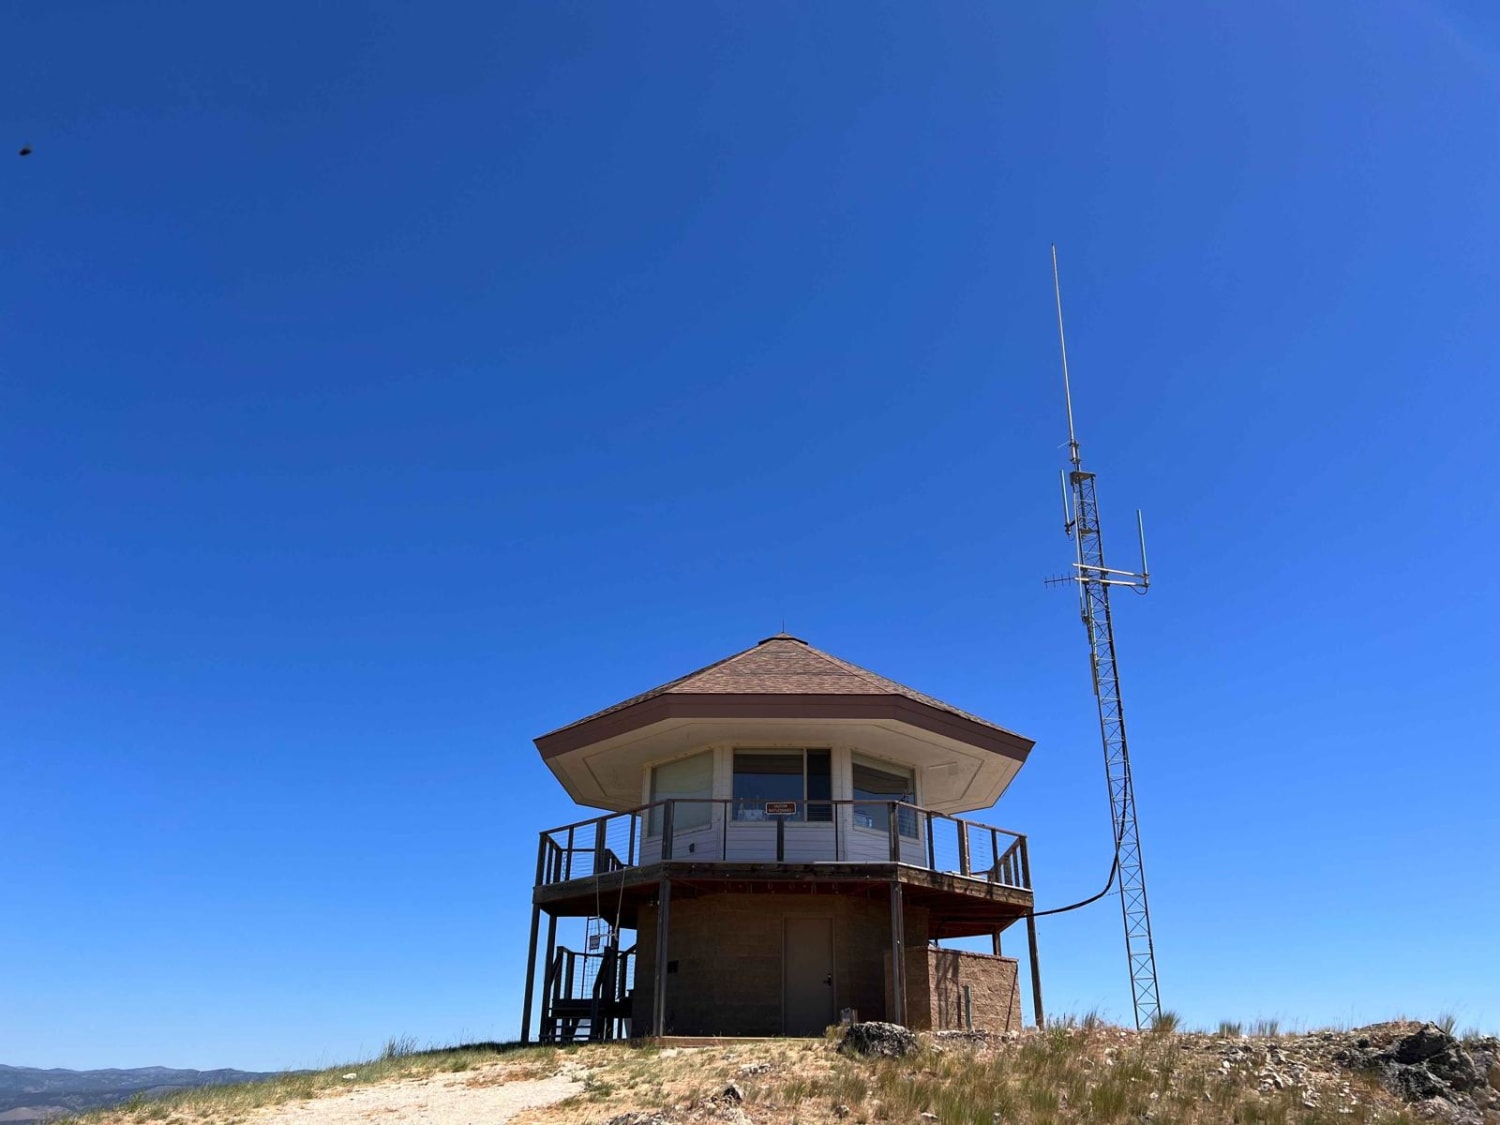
398 1047
1164 1022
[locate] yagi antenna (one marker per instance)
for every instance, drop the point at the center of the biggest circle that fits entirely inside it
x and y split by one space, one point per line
1081 522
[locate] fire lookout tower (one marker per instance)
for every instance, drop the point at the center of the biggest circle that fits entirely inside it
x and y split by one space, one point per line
782 844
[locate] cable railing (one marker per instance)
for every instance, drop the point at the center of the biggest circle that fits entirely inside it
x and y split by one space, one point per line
740 830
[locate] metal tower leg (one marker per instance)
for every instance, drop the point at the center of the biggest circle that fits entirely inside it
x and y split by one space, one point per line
1094 582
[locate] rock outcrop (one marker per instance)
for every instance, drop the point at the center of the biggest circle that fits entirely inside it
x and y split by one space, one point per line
1442 1077
1428 1066
878 1040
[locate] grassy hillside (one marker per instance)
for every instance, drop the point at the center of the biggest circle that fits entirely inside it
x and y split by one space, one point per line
234 1103
31 1093
1080 1072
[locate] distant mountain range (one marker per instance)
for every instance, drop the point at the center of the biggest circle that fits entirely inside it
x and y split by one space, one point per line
28 1094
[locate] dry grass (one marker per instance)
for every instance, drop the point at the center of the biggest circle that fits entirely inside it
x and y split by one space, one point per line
231 1105
1073 1072
1063 1075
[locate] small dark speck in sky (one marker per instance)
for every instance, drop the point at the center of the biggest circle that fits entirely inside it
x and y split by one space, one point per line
25 150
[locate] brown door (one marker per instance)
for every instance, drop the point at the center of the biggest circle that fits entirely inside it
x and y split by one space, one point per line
807 977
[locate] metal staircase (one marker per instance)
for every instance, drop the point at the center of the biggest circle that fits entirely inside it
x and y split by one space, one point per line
586 994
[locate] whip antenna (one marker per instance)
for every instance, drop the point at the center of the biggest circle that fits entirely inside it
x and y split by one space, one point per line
1062 343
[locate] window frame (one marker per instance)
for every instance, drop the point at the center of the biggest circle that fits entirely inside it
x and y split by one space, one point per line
905 818
652 829
801 816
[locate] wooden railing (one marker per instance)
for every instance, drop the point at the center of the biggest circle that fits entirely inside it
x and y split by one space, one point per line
738 830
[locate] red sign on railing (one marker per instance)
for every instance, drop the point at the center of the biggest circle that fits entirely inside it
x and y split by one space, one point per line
781 808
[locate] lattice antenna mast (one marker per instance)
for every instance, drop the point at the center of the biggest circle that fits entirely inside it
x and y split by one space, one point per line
1081 522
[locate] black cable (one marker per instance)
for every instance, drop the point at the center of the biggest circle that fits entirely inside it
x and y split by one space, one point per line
1113 868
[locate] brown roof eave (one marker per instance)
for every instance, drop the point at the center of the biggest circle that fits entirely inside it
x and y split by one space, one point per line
760 706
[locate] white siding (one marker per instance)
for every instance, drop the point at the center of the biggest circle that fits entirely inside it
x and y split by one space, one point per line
695 843
752 843
914 852
755 841
809 843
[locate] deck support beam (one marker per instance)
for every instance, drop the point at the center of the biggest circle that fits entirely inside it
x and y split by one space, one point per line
536 923
547 982
898 955
659 1000
1036 973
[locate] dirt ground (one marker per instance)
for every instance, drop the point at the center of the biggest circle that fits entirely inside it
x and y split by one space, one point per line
482 1097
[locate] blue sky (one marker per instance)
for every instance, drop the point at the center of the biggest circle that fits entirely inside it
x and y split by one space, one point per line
384 385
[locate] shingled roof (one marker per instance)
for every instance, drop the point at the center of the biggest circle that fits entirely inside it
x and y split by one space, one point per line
784 665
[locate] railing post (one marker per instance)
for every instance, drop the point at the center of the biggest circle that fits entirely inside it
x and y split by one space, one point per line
995 852
568 868
895 833
666 829
963 846
838 815
541 858
599 845
781 839
630 851
724 831
931 847
1025 865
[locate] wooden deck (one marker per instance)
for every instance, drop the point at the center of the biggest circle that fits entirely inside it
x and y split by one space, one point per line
960 906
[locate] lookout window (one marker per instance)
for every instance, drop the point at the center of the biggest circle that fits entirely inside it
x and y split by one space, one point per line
783 785
689 784
876 785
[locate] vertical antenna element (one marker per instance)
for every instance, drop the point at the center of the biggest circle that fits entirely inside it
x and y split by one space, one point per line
1140 529
1094 580
1062 342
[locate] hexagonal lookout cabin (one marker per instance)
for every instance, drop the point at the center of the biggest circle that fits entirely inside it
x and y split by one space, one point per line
782 851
